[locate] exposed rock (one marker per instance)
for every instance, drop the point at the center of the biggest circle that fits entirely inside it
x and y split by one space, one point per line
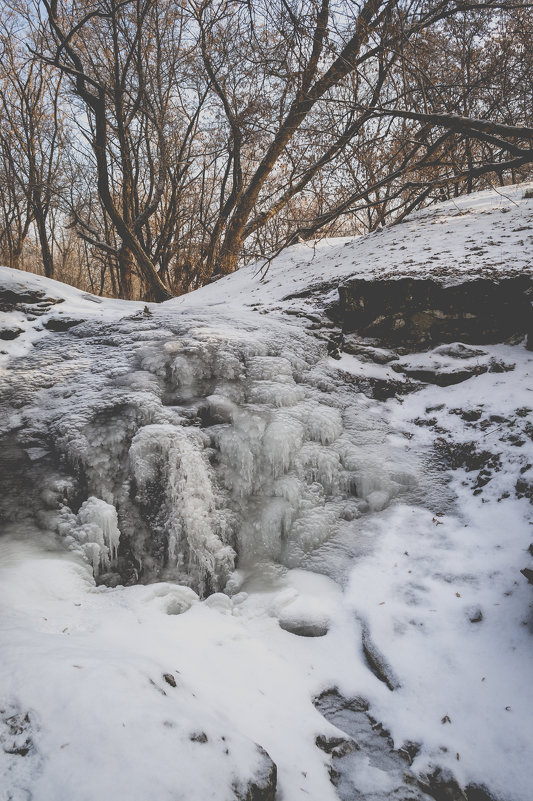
263 786
528 573
380 388
337 746
456 350
499 366
442 786
442 378
61 323
304 628
454 455
468 415
198 737
19 298
524 489
377 662
334 344
475 615
420 313
15 732
169 678
476 792
367 353
10 333
409 750
368 745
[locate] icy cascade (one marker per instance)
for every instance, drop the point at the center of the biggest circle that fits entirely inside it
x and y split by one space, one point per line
262 462
208 447
168 461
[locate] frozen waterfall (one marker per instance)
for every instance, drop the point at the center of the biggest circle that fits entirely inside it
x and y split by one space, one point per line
201 448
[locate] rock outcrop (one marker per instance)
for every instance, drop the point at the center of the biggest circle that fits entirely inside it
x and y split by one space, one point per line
418 313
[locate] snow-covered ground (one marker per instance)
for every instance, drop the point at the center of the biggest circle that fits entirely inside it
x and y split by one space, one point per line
394 529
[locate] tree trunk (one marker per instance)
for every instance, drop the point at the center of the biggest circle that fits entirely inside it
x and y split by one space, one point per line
46 253
125 265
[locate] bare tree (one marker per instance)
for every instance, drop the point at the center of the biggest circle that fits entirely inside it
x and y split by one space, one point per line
31 137
212 131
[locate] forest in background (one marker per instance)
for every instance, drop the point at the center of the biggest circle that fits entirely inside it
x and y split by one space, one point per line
148 146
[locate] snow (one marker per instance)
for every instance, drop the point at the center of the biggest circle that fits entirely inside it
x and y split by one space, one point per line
227 451
489 232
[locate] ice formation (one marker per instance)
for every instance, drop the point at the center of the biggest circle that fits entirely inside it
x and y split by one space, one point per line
200 447
169 466
94 531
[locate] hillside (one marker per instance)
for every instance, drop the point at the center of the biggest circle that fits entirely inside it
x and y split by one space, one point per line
256 547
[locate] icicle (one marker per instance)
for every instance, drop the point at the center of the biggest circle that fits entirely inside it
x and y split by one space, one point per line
103 516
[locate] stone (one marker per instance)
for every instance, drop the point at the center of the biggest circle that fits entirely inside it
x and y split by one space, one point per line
476 792
198 737
169 678
61 323
10 333
456 350
528 573
304 628
524 489
262 787
15 732
337 746
468 415
22 298
409 750
444 378
442 786
499 366
376 661
367 353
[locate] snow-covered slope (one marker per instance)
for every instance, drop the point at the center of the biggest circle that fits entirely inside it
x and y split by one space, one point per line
488 233
371 547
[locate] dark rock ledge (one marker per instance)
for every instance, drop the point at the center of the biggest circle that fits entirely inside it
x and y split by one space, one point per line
420 313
